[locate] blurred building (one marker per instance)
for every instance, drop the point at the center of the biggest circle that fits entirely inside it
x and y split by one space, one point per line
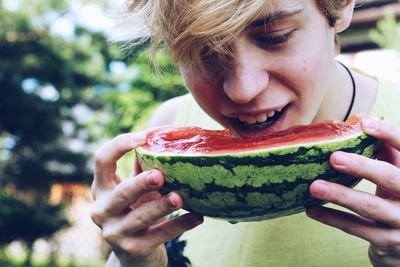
359 51
81 243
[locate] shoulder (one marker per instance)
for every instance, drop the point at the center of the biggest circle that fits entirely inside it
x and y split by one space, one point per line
167 112
386 104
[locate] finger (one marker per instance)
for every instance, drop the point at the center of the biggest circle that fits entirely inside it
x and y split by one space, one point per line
136 167
362 203
142 242
381 173
382 130
107 155
381 256
149 213
382 193
133 188
389 154
125 194
369 230
169 229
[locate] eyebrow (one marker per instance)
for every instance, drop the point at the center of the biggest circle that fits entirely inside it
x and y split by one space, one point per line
274 17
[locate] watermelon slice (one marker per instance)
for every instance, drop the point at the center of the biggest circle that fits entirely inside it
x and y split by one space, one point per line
256 178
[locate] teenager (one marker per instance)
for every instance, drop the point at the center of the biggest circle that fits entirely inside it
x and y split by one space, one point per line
244 62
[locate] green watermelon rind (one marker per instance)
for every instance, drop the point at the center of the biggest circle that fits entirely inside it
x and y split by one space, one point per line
256 185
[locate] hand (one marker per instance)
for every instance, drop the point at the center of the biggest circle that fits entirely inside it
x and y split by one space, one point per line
377 217
131 213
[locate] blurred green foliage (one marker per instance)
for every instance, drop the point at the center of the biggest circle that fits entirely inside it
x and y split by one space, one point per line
44 80
387 32
144 89
133 107
56 92
11 263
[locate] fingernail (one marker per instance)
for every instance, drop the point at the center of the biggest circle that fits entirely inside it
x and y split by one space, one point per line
369 125
321 189
172 200
341 159
152 179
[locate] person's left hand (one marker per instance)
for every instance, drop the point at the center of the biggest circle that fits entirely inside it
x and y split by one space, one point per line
377 217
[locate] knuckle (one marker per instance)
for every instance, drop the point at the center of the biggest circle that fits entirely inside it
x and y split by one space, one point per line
383 127
360 164
97 216
121 140
110 235
115 141
134 248
340 196
102 154
141 180
370 209
100 157
141 222
93 190
391 174
123 194
393 241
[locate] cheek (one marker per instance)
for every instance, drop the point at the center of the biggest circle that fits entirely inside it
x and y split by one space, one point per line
205 92
312 71
201 90
196 86
304 73
313 80
307 83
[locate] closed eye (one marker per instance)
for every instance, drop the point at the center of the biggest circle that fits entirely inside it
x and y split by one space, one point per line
274 40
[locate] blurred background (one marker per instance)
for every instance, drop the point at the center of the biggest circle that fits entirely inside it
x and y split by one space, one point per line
65 89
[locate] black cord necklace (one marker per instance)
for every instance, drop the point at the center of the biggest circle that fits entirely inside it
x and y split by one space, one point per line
354 91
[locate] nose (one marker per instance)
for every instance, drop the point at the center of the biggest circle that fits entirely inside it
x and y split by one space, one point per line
247 77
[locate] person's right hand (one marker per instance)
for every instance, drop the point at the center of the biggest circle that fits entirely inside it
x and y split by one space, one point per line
131 213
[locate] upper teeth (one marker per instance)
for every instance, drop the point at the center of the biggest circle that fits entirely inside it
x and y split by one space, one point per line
258 118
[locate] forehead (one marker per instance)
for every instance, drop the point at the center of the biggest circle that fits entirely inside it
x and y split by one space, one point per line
210 26
274 6
274 11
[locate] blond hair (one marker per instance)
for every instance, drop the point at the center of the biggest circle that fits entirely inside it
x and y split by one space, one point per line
194 29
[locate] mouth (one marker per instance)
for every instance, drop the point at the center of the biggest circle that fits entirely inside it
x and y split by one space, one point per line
247 126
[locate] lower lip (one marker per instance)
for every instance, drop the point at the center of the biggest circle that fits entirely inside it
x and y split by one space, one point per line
249 133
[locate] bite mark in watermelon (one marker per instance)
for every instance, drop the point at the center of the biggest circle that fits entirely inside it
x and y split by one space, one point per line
256 178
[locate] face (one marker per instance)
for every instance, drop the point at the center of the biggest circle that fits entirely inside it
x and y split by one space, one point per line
281 74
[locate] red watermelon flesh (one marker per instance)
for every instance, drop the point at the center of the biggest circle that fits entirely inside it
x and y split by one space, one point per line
195 140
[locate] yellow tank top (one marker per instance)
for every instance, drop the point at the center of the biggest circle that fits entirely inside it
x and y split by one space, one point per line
294 240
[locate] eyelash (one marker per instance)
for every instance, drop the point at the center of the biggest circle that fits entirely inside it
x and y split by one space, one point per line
275 40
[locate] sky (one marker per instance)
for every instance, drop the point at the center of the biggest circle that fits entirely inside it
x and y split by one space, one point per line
89 13
97 20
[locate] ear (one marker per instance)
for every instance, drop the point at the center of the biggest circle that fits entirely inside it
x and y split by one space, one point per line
345 16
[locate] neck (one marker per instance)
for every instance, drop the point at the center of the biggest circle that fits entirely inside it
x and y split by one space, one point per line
353 92
338 98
